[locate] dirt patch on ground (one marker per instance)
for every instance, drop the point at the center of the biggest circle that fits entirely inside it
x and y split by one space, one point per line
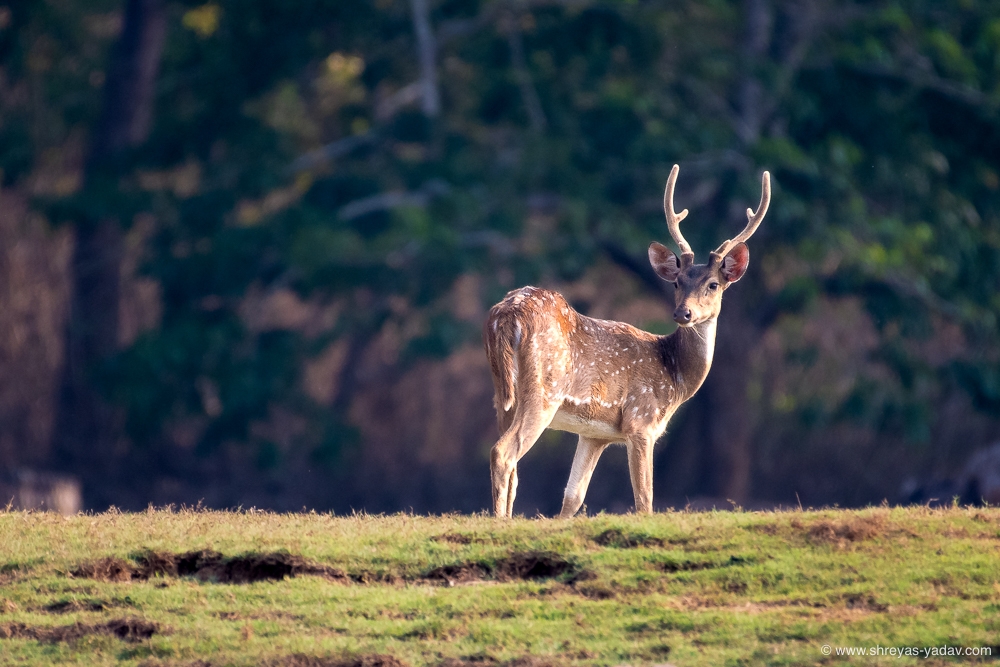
518 566
460 573
615 537
838 531
215 567
687 566
369 577
692 566
462 538
93 604
533 565
205 565
270 615
110 568
852 529
126 629
454 538
865 602
300 660
598 590
11 572
487 661
848 608
766 528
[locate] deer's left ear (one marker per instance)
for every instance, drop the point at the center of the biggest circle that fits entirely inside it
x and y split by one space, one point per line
734 264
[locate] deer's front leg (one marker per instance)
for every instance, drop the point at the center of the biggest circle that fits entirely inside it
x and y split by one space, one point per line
588 451
640 468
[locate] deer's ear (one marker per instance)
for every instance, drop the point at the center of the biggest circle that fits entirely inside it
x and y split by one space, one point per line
664 262
734 265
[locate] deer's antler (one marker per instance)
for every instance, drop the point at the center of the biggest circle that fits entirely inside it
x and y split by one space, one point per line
674 218
753 219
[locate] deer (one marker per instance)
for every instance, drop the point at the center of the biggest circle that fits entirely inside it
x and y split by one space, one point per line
607 382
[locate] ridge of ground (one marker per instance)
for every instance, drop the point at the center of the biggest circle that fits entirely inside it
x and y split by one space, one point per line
194 587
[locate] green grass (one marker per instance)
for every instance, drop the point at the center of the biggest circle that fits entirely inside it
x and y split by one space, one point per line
717 588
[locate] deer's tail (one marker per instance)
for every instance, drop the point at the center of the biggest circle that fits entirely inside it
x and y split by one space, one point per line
502 336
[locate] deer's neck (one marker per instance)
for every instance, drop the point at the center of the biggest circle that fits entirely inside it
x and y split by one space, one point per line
687 354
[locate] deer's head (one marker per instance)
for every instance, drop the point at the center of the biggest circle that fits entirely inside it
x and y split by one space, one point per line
698 288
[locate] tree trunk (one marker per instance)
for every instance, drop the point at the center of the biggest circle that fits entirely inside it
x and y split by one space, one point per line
128 100
87 429
727 419
728 423
427 55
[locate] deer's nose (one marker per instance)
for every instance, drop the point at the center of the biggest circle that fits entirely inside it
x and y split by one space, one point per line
682 315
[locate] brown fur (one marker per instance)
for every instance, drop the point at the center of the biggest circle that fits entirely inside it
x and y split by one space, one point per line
606 381
548 359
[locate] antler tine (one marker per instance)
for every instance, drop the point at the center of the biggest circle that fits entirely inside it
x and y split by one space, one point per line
674 218
753 219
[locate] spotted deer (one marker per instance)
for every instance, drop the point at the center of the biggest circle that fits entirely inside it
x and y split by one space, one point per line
608 382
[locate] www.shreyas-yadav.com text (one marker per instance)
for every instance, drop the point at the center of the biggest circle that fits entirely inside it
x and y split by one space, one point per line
944 651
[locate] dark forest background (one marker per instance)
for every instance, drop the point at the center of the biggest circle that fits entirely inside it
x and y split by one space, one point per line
246 247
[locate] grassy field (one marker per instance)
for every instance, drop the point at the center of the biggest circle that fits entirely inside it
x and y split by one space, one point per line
715 588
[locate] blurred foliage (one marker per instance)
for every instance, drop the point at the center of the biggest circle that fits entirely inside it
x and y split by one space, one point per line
287 152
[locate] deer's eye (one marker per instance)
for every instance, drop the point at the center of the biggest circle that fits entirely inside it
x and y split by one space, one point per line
713 286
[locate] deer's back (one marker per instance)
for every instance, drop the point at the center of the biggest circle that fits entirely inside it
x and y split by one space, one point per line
593 370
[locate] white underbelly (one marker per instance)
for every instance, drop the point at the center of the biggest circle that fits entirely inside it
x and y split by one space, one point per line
564 421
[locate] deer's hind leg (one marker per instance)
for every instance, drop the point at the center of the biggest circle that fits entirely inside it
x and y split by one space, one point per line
532 415
509 449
